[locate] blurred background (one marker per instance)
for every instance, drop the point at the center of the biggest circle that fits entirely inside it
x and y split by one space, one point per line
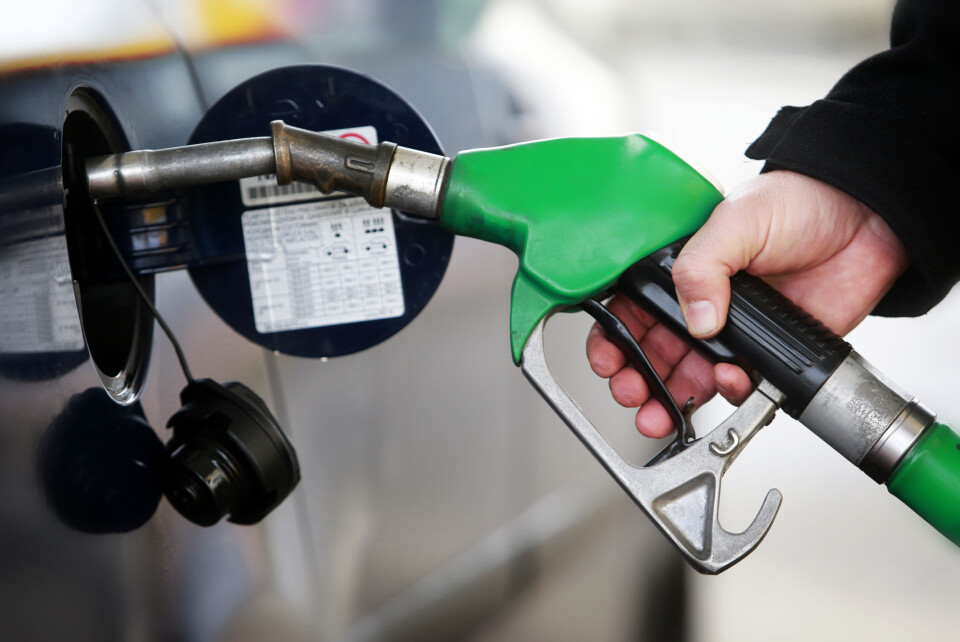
441 498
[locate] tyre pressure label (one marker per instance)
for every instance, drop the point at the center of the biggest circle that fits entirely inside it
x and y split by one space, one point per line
321 263
38 311
259 191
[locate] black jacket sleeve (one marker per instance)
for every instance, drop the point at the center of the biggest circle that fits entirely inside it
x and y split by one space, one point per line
888 134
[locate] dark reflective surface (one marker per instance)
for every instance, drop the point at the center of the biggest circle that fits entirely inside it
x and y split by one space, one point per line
40 335
100 465
80 557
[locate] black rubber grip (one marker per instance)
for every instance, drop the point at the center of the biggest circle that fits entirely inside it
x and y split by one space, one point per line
765 332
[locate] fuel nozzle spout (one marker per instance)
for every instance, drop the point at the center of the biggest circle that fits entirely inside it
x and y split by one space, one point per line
148 171
385 175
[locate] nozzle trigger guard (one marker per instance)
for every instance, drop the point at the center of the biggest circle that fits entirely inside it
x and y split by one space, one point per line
679 493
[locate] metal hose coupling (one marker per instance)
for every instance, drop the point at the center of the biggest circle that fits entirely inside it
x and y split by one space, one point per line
385 175
330 163
866 417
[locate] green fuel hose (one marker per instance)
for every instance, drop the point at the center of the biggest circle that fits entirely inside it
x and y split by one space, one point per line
928 479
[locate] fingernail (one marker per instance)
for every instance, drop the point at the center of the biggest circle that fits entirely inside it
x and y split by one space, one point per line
701 318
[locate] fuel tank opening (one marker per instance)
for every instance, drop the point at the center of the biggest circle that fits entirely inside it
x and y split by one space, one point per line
117 326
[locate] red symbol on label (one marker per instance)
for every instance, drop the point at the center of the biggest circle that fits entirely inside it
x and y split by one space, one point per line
355 135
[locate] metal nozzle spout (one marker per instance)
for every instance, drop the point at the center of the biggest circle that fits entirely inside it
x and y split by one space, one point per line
385 175
148 171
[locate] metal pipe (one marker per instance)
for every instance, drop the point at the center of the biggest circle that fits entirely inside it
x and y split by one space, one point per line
385 175
147 171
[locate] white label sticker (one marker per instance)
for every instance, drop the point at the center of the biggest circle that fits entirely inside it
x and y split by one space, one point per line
321 263
259 191
38 311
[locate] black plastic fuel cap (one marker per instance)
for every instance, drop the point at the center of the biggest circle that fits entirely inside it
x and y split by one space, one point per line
228 456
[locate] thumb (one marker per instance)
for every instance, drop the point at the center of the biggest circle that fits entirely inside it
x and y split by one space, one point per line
726 244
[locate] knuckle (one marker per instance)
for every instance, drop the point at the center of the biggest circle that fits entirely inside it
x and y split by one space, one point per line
626 390
693 272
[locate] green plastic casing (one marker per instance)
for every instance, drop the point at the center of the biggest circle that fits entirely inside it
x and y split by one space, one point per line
928 479
576 211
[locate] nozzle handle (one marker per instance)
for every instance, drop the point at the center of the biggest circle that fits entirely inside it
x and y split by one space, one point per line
765 331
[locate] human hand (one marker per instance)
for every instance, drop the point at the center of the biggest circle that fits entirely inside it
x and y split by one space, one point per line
823 249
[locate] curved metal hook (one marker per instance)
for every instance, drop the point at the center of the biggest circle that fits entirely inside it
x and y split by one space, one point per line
683 492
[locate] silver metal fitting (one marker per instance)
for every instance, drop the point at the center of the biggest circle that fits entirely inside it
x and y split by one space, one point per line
415 182
385 175
897 441
866 417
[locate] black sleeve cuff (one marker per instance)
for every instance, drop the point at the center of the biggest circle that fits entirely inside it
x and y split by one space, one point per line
906 176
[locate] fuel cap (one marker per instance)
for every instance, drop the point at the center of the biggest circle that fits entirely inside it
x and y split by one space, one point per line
290 268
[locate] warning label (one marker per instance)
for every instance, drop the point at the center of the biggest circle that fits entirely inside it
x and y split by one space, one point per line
38 311
259 191
321 263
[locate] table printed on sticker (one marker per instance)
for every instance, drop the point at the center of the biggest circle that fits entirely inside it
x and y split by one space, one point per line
38 311
324 262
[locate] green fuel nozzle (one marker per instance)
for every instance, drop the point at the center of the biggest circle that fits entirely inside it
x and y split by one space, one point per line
587 216
576 211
